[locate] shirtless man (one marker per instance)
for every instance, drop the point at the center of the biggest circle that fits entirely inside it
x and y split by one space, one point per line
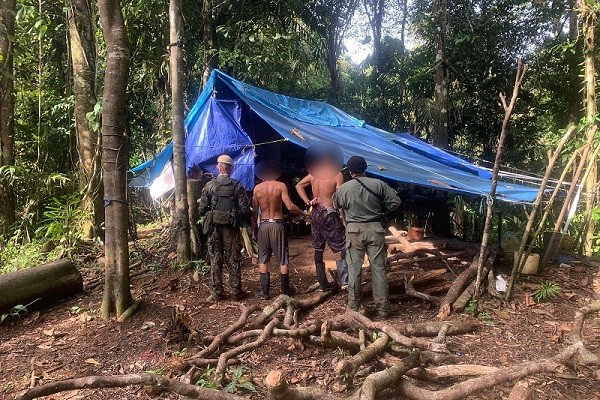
327 224
268 197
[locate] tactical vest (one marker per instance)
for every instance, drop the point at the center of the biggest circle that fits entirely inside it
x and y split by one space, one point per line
223 202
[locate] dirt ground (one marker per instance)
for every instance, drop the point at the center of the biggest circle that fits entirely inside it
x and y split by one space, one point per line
69 340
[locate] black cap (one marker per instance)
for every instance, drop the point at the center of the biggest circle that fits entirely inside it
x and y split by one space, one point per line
357 164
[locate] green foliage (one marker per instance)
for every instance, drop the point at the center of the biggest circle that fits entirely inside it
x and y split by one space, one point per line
471 308
547 290
15 256
62 223
15 312
239 381
596 236
181 352
201 266
206 380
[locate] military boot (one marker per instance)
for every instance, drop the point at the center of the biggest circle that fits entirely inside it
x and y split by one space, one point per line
285 285
265 282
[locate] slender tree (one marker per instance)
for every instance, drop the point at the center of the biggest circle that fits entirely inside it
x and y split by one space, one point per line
181 222
83 58
117 297
330 21
211 56
440 93
375 10
7 127
589 16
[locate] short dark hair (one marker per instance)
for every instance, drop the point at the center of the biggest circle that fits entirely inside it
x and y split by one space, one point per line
357 164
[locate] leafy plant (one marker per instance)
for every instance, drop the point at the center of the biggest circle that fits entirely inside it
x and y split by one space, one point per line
181 352
14 312
196 265
15 256
483 315
206 380
546 291
239 381
63 221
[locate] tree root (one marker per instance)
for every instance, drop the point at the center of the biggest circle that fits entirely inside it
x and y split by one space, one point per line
431 329
157 381
410 342
284 301
224 357
130 311
586 356
346 369
378 381
389 380
503 375
223 336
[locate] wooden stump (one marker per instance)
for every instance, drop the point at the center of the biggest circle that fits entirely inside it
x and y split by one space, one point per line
47 282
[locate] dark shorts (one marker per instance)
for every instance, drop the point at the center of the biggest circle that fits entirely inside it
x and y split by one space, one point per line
272 239
327 227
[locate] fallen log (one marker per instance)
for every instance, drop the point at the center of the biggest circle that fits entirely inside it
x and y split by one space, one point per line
404 261
158 381
396 280
40 285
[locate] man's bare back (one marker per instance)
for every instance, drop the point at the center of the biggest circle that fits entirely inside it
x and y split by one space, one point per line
322 189
268 196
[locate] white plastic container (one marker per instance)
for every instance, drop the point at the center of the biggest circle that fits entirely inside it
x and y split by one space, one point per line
531 265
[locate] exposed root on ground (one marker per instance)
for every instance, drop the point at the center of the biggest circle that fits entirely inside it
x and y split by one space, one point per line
369 347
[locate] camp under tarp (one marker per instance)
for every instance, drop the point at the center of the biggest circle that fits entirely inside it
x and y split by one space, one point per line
252 124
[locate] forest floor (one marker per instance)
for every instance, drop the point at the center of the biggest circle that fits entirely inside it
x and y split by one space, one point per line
69 340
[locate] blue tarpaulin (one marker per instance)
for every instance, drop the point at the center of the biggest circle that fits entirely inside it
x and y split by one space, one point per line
224 120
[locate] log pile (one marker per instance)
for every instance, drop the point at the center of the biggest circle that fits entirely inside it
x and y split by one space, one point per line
433 270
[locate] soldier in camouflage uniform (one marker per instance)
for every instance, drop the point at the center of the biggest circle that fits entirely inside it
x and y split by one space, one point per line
365 201
225 207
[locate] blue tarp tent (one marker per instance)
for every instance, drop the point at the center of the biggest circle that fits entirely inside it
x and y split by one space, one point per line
251 124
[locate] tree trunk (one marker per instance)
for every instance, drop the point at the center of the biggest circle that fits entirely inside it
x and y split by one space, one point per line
211 57
39 285
7 127
83 57
117 296
588 14
181 220
440 95
574 103
375 10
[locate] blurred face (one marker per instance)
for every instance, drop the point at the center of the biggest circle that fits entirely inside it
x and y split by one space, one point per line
268 170
323 160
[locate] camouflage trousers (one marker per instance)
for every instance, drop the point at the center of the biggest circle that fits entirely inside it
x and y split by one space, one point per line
225 250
